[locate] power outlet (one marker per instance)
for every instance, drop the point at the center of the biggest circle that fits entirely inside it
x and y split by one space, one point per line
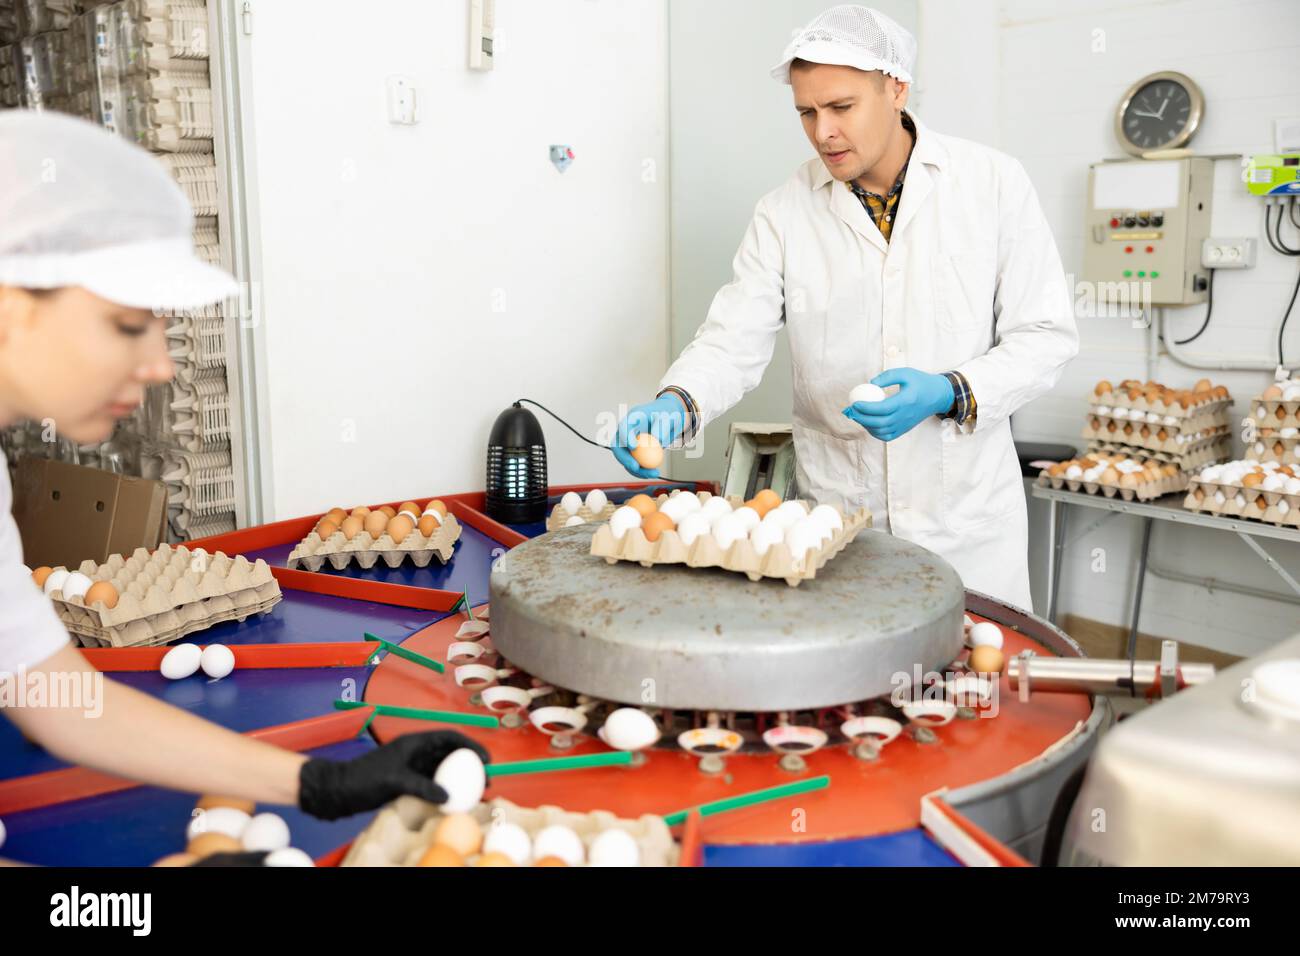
1228 253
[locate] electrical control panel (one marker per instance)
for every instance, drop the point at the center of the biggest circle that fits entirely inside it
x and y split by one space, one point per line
1145 223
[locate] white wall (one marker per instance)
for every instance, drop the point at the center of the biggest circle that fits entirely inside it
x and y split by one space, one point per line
1054 97
416 280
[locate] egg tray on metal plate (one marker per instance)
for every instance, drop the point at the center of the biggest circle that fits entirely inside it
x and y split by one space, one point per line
1118 476
595 507
1155 437
342 543
160 597
402 833
1282 449
1187 461
1220 417
1239 489
1204 398
791 549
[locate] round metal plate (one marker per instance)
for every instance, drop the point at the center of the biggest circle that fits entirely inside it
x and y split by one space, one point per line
707 639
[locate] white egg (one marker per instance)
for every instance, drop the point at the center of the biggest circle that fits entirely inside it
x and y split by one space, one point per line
1288 432
691 527
802 538
615 847
289 856
1260 411
571 502
1102 409
715 506
624 520
558 840
573 520
596 500
1273 482
727 530
266 831
796 508
827 516
1169 420
629 728
1283 507
1271 465
75 584
1120 412
1291 486
1240 500
217 661
748 517
181 661
1212 473
462 775
1074 471
764 536
866 392
986 634
225 820
780 519
1153 418
1219 498
509 839
1291 393
55 580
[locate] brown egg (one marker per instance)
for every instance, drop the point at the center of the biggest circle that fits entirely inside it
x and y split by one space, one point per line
1184 401
769 498
550 861
1146 431
461 832
437 505
1110 477
1112 426
1261 503
206 844
1128 429
411 507
375 523
644 505
1161 435
655 525
360 512
102 591
441 855
986 660
494 859
1059 469
1171 470
326 528
178 859
1134 394
40 574
1199 494
1253 480
399 527
1103 388
351 526
1219 391
1271 393
428 525
1279 449
648 453
336 515
1202 385
1128 481
212 801
388 510
1286 470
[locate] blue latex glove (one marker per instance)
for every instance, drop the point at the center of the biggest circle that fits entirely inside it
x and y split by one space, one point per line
664 418
920 395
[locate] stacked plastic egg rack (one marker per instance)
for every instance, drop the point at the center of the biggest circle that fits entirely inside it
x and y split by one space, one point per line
1150 416
162 596
573 509
1276 414
406 833
1115 474
763 537
366 536
1267 491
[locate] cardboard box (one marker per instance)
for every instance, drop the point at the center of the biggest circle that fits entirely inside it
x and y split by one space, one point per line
67 514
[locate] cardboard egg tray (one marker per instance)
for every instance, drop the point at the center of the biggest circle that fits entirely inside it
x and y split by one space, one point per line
402 832
1173 424
1274 413
705 552
365 549
1243 502
1118 399
1145 490
166 595
1187 459
559 516
1191 440
1284 450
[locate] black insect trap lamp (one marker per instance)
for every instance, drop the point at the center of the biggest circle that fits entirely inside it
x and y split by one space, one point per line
516 468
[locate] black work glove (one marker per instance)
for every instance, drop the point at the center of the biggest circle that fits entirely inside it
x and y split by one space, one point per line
329 789
256 858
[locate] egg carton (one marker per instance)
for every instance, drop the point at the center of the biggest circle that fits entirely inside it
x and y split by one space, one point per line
402 831
559 516
1276 414
366 549
1273 448
1185 424
1271 507
1187 460
705 552
1142 490
1178 443
1120 399
167 594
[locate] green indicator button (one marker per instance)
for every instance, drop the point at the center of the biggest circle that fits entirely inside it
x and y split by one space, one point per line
1154 274
1127 273
1141 273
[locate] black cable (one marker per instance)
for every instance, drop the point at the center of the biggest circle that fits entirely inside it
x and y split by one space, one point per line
1285 316
563 422
1280 247
1278 231
1294 204
1209 310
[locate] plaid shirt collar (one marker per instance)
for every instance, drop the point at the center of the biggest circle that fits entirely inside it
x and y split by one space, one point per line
895 189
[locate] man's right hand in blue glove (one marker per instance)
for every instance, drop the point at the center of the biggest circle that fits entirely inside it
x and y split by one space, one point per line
664 418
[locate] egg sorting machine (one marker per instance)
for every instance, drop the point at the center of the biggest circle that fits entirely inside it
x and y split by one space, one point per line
733 670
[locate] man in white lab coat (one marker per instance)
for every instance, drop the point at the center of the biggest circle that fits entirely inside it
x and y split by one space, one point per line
901 257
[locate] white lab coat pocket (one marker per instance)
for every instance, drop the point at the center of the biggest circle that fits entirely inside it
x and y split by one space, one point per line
964 284
829 469
981 477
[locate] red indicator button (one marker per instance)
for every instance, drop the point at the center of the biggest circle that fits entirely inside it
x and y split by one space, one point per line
1151 248
1114 223
1128 248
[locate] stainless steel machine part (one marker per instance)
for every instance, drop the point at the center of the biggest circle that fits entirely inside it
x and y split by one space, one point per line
708 639
1098 676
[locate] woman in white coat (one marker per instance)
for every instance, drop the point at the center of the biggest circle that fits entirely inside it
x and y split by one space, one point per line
902 257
